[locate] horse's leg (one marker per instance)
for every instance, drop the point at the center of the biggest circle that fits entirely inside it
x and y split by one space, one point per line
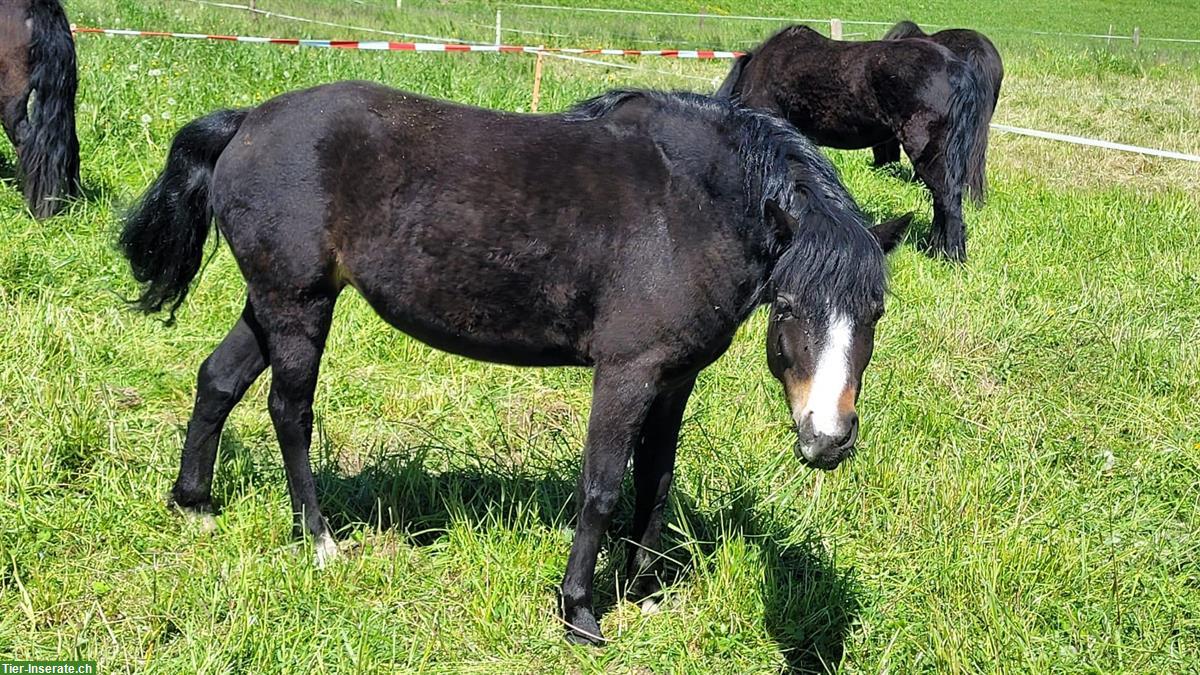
653 469
621 399
887 152
224 378
14 118
296 329
947 236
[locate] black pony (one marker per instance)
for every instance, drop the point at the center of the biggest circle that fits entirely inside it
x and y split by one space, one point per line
861 94
37 60
631 235
978 51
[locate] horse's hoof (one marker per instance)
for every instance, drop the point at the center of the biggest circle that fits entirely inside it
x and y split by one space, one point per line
325 551
957 255
582 629
651 606
199 515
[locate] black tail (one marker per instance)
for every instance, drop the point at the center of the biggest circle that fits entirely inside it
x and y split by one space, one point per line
729 88
988 75
163 236
904 29
970 111
50 152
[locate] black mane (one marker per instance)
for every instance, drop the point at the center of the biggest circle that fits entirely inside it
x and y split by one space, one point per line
832 257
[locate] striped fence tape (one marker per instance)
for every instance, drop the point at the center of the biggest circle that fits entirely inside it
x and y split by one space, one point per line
388 45
574 54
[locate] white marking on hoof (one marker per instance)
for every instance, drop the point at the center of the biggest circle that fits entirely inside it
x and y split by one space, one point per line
651 606
207 522
204 521
326 551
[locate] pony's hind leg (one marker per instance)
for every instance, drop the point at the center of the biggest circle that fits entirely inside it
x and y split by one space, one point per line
224 378
947 235
653 470
295 330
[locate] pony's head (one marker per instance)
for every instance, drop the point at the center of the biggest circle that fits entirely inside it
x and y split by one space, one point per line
825 303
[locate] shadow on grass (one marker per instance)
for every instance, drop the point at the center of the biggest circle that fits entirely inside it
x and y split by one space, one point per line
810 605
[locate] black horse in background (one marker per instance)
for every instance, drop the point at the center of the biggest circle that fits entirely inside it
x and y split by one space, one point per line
979 52
37 100
632 234
854 95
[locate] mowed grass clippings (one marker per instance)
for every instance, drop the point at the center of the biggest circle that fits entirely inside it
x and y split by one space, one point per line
1024 500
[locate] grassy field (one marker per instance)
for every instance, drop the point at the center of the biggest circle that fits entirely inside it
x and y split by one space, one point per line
1024 500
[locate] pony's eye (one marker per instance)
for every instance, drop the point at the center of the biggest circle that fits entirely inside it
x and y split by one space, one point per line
783 310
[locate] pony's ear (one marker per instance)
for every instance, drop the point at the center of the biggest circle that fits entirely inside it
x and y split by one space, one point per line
891 233
785 225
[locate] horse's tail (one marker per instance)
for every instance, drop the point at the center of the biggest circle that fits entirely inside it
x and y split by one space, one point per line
50 153
728 90
163 235
970 111
904 29
987 82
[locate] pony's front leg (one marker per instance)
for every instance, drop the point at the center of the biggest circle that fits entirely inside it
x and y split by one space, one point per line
621 399
653 470
887 152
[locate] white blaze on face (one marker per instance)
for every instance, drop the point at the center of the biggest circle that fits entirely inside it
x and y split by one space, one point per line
831 377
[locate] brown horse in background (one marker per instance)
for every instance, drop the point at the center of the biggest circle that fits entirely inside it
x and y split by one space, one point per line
37 100
854 95
979 53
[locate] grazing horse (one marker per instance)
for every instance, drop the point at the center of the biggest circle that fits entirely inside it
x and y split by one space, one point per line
979 52
632 234
37 100
859 94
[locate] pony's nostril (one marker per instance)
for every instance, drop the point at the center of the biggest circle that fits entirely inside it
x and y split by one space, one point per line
851 434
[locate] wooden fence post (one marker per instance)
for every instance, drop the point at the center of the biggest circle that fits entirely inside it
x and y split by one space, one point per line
1137 37
835 29
537 83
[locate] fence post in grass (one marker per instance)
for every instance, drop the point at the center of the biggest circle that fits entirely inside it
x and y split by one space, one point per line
537 83
1108 36
498 38
1137 37
399 4
835 29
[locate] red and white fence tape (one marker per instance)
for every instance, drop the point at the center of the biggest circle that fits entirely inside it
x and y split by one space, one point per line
387 45
573 54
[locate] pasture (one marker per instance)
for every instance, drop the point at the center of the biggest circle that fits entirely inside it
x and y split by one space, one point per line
1025 494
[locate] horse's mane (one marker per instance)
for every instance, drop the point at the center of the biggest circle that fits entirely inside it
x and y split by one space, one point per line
904 29
831 254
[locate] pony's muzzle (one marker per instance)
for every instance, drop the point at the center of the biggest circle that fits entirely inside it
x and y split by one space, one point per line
822 450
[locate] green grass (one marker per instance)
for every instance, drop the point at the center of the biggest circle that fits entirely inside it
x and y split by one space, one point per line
1024 500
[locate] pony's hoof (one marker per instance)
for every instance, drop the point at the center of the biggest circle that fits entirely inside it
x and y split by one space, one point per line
200 515
936 247
325 551
582 629
651 606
